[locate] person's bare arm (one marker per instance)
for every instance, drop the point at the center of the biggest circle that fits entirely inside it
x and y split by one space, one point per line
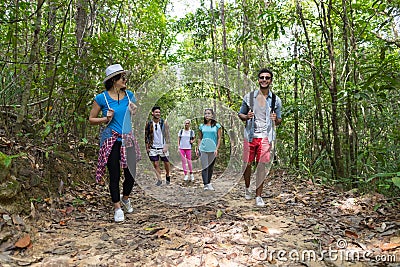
219 133
94 113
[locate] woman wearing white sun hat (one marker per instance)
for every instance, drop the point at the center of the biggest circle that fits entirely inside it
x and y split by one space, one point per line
116 105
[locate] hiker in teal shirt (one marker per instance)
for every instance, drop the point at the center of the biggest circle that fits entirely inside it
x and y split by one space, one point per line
209 140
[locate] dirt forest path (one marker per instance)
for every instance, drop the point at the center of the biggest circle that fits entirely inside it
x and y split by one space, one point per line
309 225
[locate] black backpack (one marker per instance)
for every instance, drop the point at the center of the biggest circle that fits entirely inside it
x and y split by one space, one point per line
191 134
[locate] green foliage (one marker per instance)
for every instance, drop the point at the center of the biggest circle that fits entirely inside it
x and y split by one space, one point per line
36 200
78 202
396 180
6 160
144 38
386 180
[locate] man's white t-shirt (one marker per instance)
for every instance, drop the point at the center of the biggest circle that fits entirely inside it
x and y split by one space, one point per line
158 141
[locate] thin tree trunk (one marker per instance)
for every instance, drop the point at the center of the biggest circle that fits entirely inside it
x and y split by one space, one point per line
348 119
266 50
217 94
81 32
246 64
50 101
22 114
296 99
50 43
213 32
327 30
317 92
353 129
224 54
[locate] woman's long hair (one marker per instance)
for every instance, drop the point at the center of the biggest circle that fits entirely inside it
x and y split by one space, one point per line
110 82
213 121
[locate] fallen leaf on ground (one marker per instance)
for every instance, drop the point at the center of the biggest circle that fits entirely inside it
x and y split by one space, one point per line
17 220
23 242
219 214
162 232
350 234
264 229
389 246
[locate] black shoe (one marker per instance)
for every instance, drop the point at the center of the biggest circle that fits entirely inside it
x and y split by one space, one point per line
168 178
158 183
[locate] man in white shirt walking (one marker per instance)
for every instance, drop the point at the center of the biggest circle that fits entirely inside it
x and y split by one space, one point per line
157 142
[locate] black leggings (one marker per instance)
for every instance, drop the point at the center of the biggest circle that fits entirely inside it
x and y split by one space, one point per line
114 169
207 164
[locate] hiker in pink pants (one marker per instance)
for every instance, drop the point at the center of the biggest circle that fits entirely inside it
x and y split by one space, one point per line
185 141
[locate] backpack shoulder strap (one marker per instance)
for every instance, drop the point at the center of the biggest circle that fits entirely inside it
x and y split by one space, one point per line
251 100
180 133
129 99
105 98
148 125
162 124
191 134
273 102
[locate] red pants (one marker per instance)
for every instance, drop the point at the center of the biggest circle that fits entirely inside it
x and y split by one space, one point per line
258 149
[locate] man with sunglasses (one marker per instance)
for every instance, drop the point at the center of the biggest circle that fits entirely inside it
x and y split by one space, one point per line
261 119
157 140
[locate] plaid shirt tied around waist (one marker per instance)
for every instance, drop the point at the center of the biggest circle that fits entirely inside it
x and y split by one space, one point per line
128 140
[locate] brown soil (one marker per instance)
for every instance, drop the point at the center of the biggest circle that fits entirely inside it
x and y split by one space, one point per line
300 218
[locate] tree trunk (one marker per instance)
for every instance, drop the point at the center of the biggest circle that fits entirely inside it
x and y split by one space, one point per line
353 128
217 94
350 157
224 54
57 54
323 144
246 64
33 57
50 43
296 99
81 32
327 30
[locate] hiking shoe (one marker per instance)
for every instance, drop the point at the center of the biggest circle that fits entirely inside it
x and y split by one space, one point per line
260 202
168 179
210 187
158 183
119 215
186 178
192 177
247 194
206 187
127 205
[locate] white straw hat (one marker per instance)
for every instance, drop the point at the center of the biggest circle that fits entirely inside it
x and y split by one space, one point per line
113 70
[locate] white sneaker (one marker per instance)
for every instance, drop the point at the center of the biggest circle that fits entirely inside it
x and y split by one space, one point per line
186 178
119 215
247 194
210 187
260 202
206 187
127 205
192 177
